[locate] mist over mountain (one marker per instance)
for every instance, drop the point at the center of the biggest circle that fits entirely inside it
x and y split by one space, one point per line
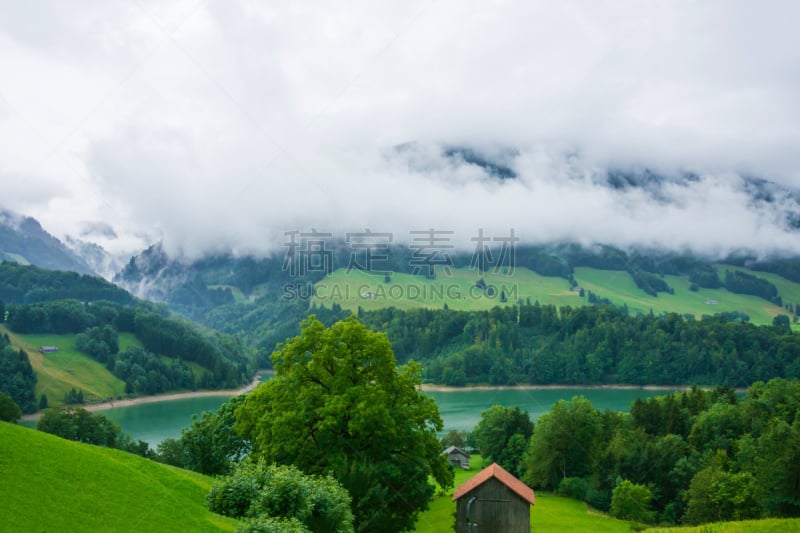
216 130
23 240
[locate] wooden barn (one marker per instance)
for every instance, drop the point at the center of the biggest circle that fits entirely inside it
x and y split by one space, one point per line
493 500
457 457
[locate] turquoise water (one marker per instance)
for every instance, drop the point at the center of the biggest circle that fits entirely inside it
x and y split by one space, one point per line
462 409
154 422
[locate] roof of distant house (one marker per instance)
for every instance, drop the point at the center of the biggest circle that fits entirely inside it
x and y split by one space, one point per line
496 471
451 449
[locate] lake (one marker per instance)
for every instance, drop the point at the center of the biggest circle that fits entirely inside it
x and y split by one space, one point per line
461 409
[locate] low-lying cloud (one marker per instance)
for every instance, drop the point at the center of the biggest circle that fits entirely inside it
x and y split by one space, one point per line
220 126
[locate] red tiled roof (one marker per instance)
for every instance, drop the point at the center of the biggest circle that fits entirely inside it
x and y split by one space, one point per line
496 471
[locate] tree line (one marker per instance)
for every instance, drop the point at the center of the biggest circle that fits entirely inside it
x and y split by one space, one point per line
684 458
21 284
542 344
17 378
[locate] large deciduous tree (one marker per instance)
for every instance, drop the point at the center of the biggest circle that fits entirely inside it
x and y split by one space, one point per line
338 404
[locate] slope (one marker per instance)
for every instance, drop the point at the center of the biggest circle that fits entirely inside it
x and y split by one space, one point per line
458 291
68 368
51 484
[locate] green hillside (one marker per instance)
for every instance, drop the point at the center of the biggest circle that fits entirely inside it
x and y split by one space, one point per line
68 368
458 291
50 484
617 286
370 291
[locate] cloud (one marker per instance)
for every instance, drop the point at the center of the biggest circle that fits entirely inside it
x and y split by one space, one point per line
221 126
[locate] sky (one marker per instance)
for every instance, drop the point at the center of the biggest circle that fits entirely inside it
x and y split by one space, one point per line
220 125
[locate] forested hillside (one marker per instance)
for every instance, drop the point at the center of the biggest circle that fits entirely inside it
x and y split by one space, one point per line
261 301
168 354
540 344
28 284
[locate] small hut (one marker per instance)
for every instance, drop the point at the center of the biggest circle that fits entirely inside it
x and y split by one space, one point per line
493 500
457 457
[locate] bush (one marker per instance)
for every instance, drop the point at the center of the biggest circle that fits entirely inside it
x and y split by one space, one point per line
573 487
281 499
268 524
631 501
9 410
599 499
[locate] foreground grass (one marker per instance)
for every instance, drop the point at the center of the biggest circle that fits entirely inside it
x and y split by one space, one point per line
68 368
769 525
51 484
551 512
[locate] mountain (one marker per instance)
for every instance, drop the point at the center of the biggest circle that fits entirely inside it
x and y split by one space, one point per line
94 255
24 241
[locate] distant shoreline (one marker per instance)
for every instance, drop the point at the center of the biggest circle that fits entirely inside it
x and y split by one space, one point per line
127 402
468 388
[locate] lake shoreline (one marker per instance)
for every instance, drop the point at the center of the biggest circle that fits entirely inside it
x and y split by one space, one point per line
427 387
127 402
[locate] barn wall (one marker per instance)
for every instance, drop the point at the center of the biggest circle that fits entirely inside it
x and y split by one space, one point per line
497 508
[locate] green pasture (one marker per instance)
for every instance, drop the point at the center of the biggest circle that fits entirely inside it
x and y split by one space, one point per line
68 368
51 484
618 286
370 291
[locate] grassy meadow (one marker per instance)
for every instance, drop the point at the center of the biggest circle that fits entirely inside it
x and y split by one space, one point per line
51 484
370 291
617 286
68 368
404 291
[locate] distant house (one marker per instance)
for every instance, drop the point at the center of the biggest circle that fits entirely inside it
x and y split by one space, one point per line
493 500
457 457
48 349
711 302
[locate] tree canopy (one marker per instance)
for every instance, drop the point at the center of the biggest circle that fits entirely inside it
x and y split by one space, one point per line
565 443
9 411
17 378
502 435
338 404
